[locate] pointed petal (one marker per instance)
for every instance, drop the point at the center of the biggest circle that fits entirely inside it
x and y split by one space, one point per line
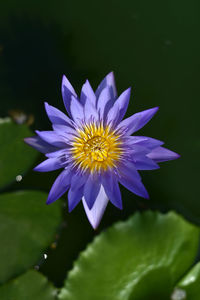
52 138
64 129
95 214
120 106
60 186
87 92
58 153
134 186
37 143
49 164
88 100
128 168
78 180
123 102
67 92
74 197
77 110
136 149
109 81
144 141
137 121
113 115
104 103
91 190
161 154
112 190
130 178
90 111
56 116
142 162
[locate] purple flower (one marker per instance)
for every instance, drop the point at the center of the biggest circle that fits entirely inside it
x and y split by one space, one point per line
95 149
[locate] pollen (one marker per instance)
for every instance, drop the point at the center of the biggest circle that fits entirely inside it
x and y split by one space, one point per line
96 148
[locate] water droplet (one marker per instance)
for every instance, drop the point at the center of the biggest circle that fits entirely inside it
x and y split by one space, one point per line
45 256
178 294
19 178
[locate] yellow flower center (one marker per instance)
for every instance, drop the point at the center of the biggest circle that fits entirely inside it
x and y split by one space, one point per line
96 148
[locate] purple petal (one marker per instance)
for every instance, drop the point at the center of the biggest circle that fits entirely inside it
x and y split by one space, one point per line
108 81
134 186
95 214
49 164
131 181
137 121
76 109
90 111
142 162
112 190
37 143
67 92
56 116
143 141
87 92
120 106
136 149
113 115
161 154
104 103
60 186
64 129
52 138
128 168
58 153
91 190
78 180
74 197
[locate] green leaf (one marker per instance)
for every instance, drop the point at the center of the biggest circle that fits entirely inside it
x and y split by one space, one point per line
139 259
30 286
15 156
27 228
189 286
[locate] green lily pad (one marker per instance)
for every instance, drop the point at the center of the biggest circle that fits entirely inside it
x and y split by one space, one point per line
15 156
30 286
139 259
27 228
189 286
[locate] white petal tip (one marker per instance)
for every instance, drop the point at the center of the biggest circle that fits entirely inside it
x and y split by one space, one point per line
96 213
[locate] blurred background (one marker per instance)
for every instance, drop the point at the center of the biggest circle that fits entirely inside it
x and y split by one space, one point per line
152 46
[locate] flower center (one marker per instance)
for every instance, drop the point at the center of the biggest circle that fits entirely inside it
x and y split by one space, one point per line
96 148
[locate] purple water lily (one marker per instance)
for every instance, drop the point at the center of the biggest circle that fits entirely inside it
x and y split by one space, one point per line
95 149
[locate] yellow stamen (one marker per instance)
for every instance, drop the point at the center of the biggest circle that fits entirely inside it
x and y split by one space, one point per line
96 148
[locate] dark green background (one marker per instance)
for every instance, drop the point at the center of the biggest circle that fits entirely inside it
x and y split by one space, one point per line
153 46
